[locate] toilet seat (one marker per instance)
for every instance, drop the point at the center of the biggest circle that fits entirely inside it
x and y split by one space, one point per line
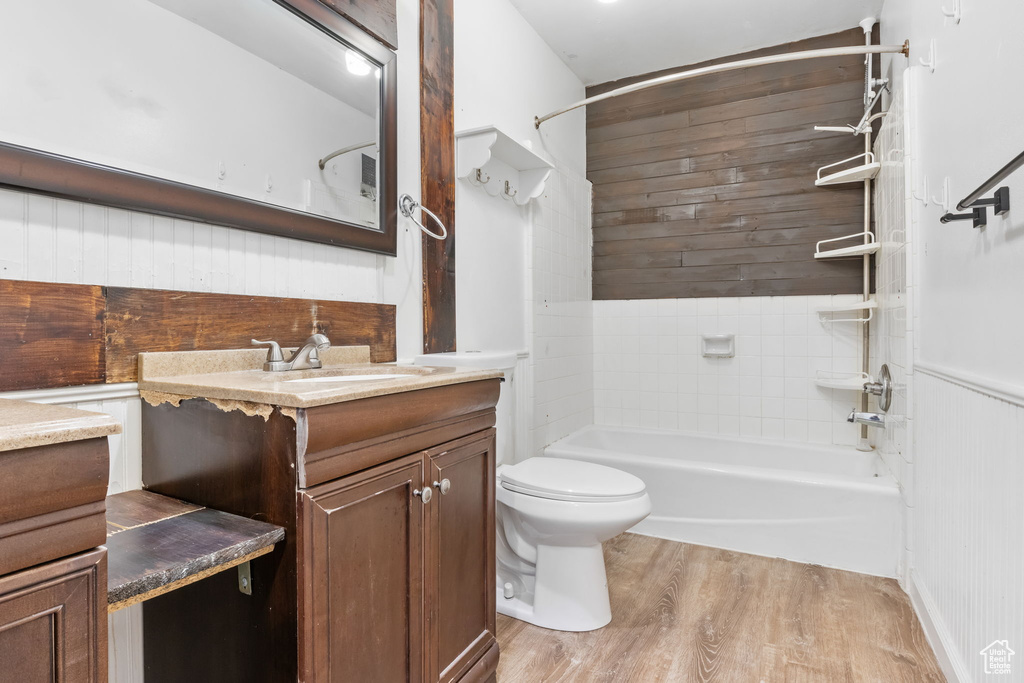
570 480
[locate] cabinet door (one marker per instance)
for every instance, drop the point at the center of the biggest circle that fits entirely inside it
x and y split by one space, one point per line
460 558
53 622
361 576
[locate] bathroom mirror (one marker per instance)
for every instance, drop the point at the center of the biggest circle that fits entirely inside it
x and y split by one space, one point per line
269 115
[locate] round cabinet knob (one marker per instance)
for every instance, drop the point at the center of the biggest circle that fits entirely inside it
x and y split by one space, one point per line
444 485
425 494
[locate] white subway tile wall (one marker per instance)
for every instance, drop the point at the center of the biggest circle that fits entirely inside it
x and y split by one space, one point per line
892 327
561 354
649 370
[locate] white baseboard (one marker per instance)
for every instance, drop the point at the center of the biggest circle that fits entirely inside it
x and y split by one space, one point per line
936 632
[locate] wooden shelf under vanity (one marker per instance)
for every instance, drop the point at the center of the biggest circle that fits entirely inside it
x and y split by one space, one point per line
157 544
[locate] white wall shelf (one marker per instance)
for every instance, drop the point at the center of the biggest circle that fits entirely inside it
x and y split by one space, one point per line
854 174
827 314
856 250
503 167
870 246
848 381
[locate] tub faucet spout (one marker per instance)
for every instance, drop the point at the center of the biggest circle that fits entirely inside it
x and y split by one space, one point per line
870 419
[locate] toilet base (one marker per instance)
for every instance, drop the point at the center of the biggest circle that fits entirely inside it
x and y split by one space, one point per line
570 591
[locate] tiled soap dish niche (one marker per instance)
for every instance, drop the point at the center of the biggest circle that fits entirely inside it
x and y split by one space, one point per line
718 345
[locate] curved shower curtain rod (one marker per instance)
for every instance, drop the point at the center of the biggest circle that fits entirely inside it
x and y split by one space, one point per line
344 150
729 66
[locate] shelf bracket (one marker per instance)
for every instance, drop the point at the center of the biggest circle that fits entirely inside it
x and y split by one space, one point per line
244 579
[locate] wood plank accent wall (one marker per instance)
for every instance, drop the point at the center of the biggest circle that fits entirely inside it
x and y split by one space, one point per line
57 335
706 187
437 154
161 320
51 335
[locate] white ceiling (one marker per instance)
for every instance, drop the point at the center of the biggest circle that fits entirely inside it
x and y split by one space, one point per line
604 42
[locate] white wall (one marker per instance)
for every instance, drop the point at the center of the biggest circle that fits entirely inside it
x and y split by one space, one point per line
56 240
963 478
504 76
969 278
523 277
649 370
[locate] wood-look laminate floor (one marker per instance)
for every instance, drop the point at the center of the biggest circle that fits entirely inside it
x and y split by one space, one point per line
686 613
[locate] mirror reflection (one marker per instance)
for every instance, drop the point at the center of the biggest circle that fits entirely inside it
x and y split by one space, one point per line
238 96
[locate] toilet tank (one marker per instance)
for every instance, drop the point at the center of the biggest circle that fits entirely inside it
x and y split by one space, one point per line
505 411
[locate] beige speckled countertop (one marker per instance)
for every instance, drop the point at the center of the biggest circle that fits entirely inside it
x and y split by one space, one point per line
24 424
238 376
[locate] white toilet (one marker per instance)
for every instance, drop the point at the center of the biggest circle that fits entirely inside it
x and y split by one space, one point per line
553 514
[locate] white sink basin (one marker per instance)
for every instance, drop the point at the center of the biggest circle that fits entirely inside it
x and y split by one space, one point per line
381 377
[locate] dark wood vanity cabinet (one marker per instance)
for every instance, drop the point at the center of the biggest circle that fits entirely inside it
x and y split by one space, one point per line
381 566
460 548
53 622
377 580
362 588
53 568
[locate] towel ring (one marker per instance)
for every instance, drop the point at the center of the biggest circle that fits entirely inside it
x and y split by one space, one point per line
407 205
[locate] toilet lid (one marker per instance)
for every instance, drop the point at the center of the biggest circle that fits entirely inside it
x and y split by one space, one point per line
575 480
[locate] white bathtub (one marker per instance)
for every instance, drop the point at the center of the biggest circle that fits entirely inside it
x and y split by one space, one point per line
833 506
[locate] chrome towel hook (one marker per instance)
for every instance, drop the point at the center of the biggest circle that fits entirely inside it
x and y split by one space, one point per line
407 205
509 192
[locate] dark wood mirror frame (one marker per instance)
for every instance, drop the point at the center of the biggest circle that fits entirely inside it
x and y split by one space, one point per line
37 171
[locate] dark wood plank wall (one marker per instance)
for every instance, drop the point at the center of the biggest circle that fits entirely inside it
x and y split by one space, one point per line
706 187
160 320
437 155
51 335
57 335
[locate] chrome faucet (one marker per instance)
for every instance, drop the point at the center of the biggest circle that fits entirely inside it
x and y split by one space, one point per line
869 419
305 358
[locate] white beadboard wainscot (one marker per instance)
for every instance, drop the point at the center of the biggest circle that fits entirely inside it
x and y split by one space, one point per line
967 519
